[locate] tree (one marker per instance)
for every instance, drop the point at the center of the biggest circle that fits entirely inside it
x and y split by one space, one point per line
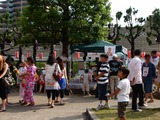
134 27
154 26
70 21
6 32
114 30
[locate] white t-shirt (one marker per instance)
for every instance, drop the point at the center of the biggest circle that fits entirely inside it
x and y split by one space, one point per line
86 78
124 86
135 68
50 83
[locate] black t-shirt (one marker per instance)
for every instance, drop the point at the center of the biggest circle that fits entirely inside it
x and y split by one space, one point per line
114 65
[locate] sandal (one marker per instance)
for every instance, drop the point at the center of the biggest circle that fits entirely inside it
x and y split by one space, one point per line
52 106
56 101
151 101
2 110
49 104
23 103
62 104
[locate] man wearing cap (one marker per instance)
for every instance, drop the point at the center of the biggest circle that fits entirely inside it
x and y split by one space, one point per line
114 66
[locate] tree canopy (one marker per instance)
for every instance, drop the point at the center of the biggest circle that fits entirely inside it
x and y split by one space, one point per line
134 27
154 26
70 22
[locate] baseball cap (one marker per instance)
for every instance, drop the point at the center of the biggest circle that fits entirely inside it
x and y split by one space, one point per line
115 56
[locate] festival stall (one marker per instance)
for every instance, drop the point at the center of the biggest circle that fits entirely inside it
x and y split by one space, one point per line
91 52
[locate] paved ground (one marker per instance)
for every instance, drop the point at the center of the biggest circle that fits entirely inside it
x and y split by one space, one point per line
73 110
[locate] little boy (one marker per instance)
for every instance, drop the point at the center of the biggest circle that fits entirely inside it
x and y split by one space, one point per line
102 80
86 78
123 91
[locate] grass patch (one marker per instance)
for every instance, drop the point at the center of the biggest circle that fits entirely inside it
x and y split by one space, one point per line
111 114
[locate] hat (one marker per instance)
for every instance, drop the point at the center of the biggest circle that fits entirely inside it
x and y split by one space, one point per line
115 56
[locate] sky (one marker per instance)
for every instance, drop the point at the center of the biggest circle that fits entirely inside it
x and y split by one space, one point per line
145 7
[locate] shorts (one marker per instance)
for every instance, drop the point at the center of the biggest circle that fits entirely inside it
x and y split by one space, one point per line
85 87
147 88
122 108
102 91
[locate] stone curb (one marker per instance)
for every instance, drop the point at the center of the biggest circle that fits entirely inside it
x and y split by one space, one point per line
91 115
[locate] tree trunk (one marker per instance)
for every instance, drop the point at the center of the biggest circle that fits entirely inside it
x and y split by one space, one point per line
20 53
2 47
35 51
65 41
132 48
20 56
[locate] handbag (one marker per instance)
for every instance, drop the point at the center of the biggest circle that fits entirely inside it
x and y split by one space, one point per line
7 81
56 74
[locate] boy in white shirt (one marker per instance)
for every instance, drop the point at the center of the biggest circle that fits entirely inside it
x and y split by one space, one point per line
122 92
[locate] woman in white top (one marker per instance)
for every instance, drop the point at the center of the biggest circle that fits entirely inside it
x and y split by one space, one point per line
63 82
51 85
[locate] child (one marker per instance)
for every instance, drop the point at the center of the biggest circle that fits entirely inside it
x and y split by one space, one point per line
123 91
102 80
86 78
21 81
149 75
42 82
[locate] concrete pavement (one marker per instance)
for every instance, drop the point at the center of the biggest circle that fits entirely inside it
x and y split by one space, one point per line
73 109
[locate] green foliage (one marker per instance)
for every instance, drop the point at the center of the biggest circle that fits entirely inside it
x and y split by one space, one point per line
114 35
154 26
134 27
71 21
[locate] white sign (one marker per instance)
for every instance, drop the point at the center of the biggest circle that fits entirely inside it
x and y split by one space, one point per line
124 50
110 51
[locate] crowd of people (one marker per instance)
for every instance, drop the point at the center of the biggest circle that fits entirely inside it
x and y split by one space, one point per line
115 81
27 77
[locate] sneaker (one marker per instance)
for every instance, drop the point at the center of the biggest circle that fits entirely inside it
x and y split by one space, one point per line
106 106
99 107
143 106
88 94
137 110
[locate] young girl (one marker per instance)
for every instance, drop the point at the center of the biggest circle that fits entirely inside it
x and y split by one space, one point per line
63 82
42 80
86 78
21 81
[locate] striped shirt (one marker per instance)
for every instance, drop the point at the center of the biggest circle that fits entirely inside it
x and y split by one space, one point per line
104 68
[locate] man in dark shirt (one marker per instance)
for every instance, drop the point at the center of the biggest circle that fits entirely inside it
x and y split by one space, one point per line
114 66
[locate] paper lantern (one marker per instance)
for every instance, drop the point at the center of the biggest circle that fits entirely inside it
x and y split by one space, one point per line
28 54
16 54
158 54
54 53
77 55
143 54
129 54
40 55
